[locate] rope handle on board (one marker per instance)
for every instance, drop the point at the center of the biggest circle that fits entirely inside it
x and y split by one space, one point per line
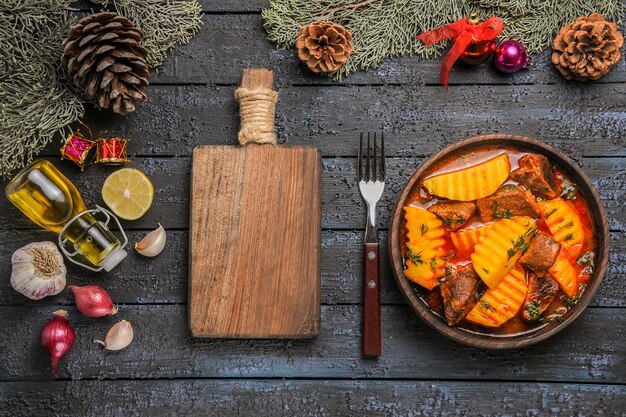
257 105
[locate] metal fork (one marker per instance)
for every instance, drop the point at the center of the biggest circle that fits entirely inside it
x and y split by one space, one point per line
371 176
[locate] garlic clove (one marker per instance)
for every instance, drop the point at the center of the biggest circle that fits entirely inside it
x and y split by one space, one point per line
38 270
153 243
118 337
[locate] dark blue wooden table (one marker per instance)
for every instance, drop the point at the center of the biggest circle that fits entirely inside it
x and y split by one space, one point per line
581 371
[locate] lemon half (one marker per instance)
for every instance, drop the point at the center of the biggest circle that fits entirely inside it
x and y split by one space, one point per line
128 192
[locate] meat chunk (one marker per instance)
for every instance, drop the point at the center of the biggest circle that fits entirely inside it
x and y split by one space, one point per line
453 214
541 291
541 253
535 172
507 202
459 294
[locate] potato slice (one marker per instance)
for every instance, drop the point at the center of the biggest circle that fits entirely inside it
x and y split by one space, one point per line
424 263
499 249
464 240
423 225
500 304
565 274
471 183
564 224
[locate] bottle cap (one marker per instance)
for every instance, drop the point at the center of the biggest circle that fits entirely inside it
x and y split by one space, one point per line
113 259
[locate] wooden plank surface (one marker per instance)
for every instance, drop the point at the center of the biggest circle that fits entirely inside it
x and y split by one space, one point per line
341 201
308 398
590 350
163 280
254 260
582 120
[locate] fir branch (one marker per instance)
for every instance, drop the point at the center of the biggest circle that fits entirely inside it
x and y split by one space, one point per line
166 23
387 28
345 7
36 100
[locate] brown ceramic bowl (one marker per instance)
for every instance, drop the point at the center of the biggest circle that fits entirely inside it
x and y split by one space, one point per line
540 333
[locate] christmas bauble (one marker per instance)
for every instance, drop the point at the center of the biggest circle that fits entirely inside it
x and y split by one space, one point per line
478 52
510 56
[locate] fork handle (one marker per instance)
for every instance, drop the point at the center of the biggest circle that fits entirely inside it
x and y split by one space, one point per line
371 305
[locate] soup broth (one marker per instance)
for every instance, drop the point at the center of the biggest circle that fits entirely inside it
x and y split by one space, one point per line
457 201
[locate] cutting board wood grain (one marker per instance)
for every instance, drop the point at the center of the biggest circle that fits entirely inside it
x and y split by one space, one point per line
255 238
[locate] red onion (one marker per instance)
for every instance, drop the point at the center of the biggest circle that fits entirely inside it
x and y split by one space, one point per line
57 337
93 301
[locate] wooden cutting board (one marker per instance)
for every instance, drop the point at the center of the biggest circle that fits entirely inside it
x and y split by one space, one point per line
255 238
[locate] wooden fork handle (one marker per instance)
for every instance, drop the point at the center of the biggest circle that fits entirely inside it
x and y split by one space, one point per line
371 304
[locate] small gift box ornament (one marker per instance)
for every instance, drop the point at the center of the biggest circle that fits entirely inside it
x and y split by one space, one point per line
77 148
111 151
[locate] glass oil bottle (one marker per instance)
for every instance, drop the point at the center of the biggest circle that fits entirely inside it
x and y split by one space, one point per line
52 202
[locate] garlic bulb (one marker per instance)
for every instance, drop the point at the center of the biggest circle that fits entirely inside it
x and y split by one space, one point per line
38 270
153 243
120 336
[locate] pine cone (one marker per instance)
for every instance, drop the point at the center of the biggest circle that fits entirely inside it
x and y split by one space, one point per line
324 46
587 48
104 56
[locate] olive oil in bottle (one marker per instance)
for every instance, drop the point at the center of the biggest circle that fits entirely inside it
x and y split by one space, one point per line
52 202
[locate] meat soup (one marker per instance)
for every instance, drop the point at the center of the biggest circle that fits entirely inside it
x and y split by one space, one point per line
498 241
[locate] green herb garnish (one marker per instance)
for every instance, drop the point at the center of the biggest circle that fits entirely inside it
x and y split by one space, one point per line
541 189
433 264
451 221
571 302
448 271
533 310
520 245
568 237
504 214
550 213
423 229
485 305
567 225
531 231
416 258
486 270
554 319
500 214
450 304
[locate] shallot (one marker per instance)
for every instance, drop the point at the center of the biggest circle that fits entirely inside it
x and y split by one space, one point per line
93 301
57 337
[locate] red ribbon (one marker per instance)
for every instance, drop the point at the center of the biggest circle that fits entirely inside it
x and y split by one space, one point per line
465 33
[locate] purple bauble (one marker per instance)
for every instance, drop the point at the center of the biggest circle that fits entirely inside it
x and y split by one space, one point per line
510 56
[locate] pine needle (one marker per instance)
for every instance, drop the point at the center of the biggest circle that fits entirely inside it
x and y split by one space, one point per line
166 23
387 28
36 100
